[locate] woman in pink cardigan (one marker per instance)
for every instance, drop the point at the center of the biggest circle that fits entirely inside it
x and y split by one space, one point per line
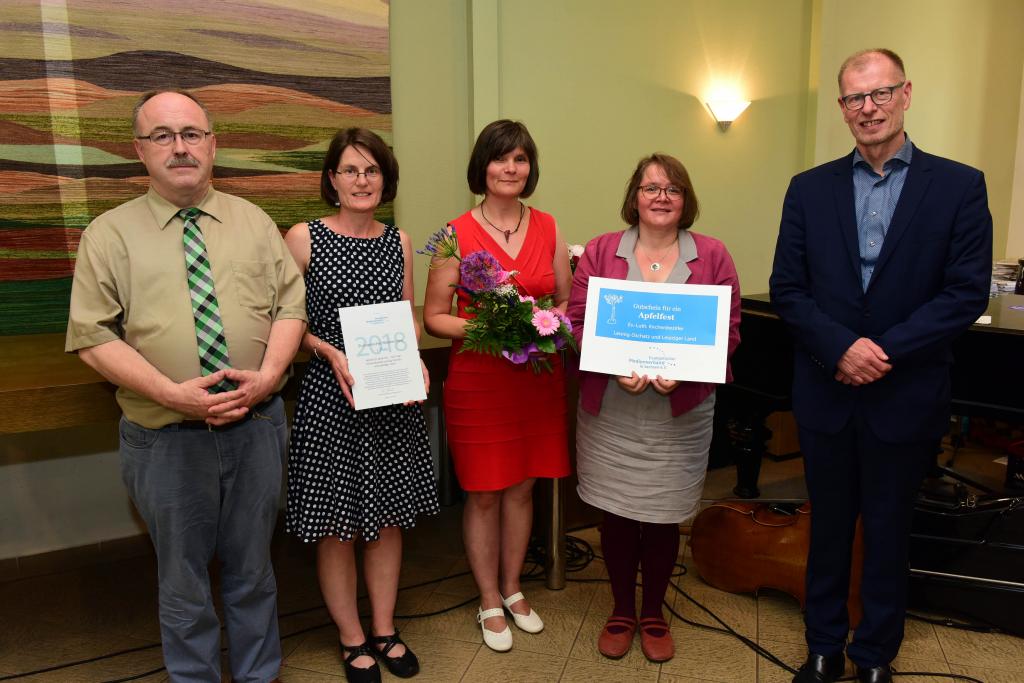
642 442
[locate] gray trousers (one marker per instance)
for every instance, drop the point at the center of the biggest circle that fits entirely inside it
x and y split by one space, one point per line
201 494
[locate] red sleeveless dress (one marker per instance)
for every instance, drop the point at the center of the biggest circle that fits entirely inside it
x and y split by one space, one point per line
506 423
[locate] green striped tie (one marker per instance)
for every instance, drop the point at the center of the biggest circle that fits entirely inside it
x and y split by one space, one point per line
213 348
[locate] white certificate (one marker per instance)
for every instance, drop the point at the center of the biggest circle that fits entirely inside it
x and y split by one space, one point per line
383 357
680 332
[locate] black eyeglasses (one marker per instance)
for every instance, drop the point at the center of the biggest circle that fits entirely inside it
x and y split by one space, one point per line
163 137
878 96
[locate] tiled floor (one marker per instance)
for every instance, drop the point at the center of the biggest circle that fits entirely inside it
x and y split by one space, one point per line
49 620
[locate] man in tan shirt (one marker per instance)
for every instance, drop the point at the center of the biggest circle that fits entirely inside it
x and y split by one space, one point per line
201 450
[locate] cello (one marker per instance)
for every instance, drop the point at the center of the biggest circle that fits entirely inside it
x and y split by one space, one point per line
742 547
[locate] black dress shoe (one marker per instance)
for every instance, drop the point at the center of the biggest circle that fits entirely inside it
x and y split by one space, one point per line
355 674
875 674
405 665
821 669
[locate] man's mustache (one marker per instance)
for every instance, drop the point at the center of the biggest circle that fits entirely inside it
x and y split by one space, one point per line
186 160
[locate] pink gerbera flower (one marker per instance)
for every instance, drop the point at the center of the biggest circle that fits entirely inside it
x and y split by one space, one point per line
545 322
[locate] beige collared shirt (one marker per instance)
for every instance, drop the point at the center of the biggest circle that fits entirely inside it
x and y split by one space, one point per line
130 284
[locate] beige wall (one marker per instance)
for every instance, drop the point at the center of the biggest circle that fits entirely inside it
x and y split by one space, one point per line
430 93
1015 238
603 83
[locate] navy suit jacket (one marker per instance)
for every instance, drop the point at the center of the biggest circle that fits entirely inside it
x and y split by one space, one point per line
930 283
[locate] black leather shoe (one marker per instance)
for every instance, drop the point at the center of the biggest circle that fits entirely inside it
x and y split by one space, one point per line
821 669
354 674
875 674
405 665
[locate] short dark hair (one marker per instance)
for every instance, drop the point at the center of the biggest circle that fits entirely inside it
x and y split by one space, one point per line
375 145
859 57
497 139
147 96
677 175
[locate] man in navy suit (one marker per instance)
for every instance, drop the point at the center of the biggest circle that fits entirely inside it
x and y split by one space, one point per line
883 258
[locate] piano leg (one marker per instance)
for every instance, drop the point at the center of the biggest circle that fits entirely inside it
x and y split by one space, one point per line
740 436
750 437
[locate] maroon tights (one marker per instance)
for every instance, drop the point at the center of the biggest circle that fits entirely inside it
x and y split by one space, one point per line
627 543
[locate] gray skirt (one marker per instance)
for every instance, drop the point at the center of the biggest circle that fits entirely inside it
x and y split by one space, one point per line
637 461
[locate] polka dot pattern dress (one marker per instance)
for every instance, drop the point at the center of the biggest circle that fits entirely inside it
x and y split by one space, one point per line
351 473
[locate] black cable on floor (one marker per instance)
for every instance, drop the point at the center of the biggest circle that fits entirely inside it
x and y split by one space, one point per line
140 648
67 665
952 623
767 654
118 653
579 555
759 649
135 677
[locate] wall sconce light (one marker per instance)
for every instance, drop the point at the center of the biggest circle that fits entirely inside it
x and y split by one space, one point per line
726 110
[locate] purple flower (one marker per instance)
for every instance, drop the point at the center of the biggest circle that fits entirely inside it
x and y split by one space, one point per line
518 357
564 318
481 272
442 245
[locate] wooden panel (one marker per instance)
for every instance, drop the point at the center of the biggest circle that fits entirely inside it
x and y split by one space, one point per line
785 441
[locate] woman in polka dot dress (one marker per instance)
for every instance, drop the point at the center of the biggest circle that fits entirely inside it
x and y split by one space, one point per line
365 474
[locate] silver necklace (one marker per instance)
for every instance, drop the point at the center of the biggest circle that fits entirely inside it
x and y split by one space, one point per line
656 263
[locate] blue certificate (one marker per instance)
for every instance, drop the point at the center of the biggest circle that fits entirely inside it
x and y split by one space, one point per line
676 331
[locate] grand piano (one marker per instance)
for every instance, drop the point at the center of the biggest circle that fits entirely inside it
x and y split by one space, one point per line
967 545
988 377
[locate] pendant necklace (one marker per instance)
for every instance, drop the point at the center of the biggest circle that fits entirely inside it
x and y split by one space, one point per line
507 233
656 263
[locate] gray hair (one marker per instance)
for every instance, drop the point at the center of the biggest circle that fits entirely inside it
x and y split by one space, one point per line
146 97
858 58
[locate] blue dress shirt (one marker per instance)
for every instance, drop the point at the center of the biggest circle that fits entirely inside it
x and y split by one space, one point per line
875 198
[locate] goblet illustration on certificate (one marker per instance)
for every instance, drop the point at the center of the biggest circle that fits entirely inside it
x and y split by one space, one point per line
680 332
612 300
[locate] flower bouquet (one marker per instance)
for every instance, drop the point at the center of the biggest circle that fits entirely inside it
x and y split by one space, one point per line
518 328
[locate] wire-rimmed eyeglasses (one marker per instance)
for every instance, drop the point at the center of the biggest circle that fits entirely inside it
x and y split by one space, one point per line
350 173
164 137
654 191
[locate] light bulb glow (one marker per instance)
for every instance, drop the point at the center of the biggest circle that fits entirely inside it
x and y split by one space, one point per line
725 103
727 110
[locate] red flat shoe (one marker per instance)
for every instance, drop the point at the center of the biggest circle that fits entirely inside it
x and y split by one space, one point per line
656 640
617 637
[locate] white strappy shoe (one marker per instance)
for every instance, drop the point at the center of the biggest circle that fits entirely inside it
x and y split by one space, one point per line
499 641
531 623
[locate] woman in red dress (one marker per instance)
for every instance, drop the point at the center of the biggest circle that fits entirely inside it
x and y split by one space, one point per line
506 424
